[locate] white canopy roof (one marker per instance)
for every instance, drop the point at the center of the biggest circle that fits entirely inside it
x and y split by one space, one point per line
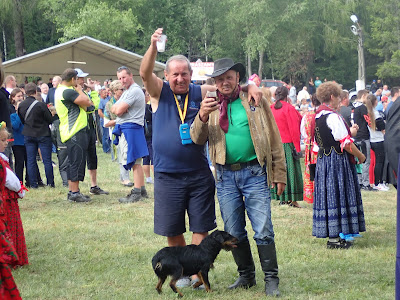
99 59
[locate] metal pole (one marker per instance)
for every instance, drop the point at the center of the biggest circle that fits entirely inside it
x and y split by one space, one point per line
5 45
361 58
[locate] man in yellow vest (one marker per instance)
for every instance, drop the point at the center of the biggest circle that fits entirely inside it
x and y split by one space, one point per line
71 104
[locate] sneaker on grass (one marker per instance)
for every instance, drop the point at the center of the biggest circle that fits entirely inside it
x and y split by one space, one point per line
382 187
133 196
183 282
143 192
86 196
368 188
77 197
95 190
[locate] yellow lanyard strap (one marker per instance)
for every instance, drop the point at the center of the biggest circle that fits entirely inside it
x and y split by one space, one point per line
182 115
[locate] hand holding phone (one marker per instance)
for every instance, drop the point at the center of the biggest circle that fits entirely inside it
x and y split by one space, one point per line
208 105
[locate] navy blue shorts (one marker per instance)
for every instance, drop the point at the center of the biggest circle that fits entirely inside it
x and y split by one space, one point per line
148 160
176 193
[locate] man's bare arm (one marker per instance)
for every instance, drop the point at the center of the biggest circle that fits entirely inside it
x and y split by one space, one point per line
119 108
82 100
152 83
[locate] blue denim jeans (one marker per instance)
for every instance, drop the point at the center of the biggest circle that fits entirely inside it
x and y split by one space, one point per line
245 190
32 144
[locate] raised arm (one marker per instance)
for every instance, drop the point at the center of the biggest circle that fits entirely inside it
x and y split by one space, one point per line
94 95
151 82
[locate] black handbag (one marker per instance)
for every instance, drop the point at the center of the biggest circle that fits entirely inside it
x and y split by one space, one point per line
311 167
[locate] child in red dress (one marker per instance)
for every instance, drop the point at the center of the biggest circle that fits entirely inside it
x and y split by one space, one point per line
10 191
8 256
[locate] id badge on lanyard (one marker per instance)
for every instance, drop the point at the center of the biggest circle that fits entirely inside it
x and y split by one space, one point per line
184 129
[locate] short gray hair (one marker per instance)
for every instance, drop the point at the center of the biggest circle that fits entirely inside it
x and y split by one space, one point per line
178 57
30 89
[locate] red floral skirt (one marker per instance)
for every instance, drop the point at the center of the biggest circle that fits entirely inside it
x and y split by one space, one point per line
8 256
14 226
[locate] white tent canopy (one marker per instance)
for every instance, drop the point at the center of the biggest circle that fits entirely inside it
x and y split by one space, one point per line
99 59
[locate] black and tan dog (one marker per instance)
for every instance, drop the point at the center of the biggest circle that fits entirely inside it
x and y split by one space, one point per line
190 260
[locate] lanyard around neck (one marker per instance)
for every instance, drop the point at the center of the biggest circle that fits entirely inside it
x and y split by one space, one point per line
182 115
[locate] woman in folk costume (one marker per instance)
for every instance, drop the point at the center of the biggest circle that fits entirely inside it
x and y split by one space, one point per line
338 208
288 120
10 191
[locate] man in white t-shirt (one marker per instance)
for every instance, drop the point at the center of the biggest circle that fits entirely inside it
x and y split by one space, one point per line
303 94
385 91
132 146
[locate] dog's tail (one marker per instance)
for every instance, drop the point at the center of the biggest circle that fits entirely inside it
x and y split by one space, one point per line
157 265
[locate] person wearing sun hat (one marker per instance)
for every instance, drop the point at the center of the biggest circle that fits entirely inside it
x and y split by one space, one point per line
244 143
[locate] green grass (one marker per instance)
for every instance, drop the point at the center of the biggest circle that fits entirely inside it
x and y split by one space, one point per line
103 250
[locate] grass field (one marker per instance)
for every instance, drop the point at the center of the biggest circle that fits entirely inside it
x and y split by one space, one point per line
103 249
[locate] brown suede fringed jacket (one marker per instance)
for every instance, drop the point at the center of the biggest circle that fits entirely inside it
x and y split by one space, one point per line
264 134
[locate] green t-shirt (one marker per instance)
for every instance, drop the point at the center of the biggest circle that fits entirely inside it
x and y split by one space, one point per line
239 145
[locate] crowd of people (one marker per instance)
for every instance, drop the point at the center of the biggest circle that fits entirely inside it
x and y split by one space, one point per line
366 115
254 137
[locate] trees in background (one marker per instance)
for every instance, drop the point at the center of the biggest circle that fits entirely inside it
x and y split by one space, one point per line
285 39
385 34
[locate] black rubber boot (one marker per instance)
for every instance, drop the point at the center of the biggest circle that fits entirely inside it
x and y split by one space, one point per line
246 268
269 265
